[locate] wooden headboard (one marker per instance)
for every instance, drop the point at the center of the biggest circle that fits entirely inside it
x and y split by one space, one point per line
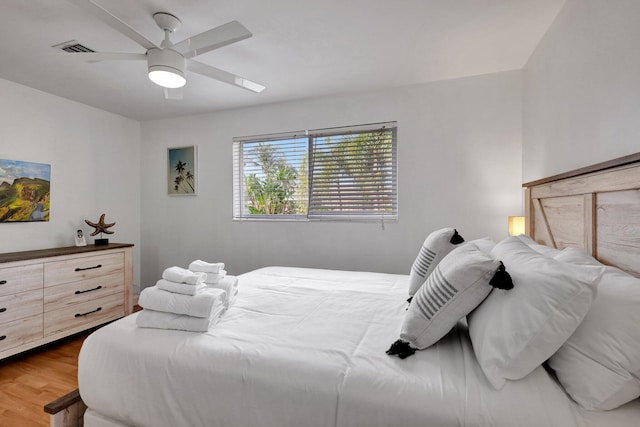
596 209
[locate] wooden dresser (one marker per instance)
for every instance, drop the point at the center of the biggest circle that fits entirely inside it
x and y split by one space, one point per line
49 294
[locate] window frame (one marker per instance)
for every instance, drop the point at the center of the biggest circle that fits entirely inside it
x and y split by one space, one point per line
239 192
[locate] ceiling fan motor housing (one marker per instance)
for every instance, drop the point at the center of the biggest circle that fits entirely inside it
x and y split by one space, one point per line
166 60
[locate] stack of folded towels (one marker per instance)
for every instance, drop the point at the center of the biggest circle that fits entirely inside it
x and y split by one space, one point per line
217 278
184 300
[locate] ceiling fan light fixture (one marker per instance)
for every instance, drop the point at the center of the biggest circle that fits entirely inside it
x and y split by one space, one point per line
167 62
166 67
169 78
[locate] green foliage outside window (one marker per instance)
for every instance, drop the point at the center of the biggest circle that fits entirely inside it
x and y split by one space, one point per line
272 191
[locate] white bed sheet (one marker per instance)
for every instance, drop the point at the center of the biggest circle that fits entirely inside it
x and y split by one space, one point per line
306 347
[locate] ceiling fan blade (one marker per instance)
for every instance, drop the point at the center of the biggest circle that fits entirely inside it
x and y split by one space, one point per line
173 93
224 76
113 21
215 38
104 56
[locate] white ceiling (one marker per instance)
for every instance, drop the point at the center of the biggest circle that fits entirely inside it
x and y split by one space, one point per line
299 49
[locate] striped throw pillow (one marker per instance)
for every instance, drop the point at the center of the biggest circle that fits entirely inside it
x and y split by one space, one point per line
458 284
435 247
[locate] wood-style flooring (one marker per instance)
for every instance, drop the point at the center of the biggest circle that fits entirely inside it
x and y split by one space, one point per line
31 380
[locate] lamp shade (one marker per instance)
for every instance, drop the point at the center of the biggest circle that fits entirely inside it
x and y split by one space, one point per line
166 68
516 225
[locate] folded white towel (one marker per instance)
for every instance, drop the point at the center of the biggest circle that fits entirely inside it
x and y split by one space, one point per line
160 320
180 288
199 305
182 275
206 267
213 279
230 285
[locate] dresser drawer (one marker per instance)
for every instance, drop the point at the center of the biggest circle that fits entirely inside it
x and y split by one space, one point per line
20 279
84 315
72 270
61 296
18 306
19 332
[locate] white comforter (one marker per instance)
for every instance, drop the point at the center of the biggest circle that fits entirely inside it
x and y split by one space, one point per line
304 347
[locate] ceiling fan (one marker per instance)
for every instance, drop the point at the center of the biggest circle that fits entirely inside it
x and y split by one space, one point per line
168 63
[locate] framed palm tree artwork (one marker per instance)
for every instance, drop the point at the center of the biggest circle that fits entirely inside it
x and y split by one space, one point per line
181 171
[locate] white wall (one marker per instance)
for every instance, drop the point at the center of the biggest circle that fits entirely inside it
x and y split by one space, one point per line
95 168
459 165
582 89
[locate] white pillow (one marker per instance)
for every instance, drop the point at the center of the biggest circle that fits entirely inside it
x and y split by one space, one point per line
599 365
514 332
576 256
457 285
543 249
435 247
486 244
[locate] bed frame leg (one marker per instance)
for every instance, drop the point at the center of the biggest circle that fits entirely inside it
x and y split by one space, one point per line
67 411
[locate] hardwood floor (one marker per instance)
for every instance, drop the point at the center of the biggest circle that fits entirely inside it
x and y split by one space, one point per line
31 380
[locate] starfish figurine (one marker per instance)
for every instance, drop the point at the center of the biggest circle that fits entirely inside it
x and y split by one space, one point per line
100 227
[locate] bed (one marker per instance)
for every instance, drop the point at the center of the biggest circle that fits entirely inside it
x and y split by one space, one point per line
306 347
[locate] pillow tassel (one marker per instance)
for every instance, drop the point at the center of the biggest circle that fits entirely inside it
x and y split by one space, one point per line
408 303
456 239
402 349
502 279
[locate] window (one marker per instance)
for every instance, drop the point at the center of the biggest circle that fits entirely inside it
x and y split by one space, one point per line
341 173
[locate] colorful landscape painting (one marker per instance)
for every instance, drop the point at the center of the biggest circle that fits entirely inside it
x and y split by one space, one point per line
24 191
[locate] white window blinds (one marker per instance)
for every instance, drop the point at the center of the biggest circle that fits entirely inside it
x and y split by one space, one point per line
345 173
270 177
354 175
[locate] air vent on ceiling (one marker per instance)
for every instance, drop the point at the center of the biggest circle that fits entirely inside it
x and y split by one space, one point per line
72 46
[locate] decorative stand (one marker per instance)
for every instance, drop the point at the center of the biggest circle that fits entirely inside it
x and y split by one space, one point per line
101 242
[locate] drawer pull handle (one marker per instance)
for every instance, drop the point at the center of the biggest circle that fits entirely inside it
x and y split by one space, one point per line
3 309
3 282
2 337
89 290
88 268
88 312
